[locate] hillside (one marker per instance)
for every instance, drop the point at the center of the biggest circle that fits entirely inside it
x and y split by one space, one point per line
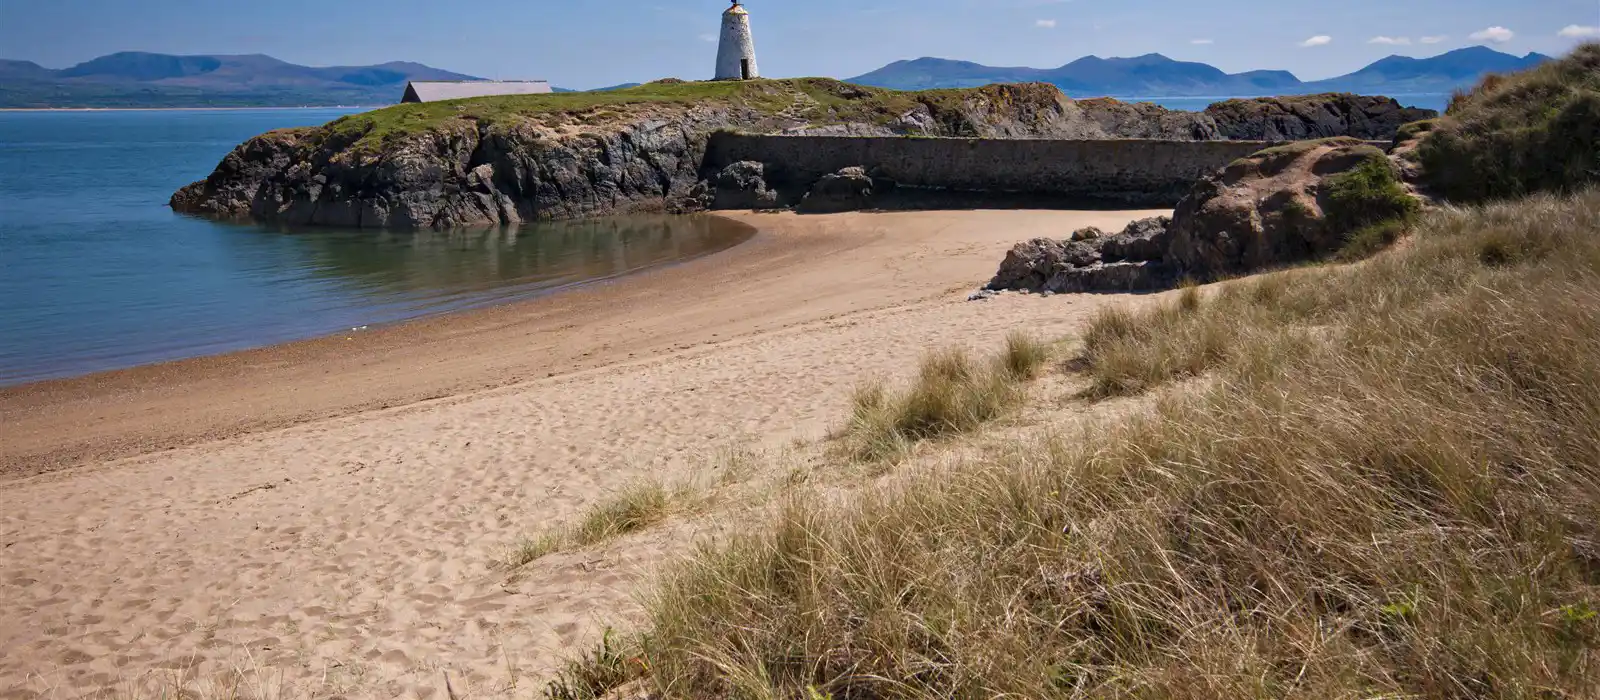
526 157
1155 75
1534 131
135 79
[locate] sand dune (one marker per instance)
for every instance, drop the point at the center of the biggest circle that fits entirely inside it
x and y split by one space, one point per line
326 515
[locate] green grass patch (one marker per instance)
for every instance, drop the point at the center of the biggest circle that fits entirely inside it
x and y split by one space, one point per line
1412 130
817 101
636 507
1367 204
1534 131
952 394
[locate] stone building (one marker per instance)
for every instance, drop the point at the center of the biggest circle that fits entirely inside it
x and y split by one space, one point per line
436 90
736 55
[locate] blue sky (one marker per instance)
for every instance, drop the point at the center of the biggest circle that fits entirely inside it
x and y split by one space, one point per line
585 44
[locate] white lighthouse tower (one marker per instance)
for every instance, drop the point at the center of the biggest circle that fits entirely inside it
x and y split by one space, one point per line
736 56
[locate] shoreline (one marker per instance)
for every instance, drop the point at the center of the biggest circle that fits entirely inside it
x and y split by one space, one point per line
794 269
748 233
334 514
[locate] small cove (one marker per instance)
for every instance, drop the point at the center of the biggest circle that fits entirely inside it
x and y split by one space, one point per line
97 274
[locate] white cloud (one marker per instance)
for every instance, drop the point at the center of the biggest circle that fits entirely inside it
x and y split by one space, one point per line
1578 31
709 38
1318 40
1045 23
1390 40
1497 35
1201 42
1433 39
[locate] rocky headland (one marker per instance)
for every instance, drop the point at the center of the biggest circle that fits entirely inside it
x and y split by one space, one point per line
512 159
1306 200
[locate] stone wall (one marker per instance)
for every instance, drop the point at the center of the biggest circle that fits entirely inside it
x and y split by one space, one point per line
1121 172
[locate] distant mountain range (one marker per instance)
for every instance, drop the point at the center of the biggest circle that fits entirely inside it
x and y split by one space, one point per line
1155 75
134 79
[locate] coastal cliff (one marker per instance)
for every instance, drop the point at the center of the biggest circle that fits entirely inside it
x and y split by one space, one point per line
540 157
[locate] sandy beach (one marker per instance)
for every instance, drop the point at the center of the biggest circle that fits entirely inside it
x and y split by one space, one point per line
325 516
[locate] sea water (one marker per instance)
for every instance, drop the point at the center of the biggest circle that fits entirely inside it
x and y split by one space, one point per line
97 273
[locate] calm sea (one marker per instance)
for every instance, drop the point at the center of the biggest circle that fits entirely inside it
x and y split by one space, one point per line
97 273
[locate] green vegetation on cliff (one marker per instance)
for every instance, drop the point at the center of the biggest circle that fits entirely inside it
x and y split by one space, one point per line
1368 206
1033 110
819 101
1526 132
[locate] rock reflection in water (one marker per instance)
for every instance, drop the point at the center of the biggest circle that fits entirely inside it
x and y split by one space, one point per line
450 269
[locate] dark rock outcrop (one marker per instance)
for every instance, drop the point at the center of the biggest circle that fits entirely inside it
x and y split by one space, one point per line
1283 205
458 173
1146 120
1286 204
1083 265
1029 264
1110 277
1142 241
1312 117
743 185
849 189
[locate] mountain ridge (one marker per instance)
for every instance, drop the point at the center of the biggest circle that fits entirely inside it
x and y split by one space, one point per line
143 79
1156 75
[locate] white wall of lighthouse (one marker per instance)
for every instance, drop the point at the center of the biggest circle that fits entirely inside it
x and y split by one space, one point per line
736 54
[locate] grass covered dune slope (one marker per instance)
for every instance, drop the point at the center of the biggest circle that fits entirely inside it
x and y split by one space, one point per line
1388 485
1527 132
1368 481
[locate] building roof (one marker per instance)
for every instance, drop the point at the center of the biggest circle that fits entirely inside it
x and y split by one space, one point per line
436 90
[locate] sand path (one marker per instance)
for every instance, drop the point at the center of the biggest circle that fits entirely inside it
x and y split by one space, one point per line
294 528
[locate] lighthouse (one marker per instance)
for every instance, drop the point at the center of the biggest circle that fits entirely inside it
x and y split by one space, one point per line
736 56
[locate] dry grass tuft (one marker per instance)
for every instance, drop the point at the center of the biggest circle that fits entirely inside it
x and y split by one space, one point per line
1023 356
1390 489
952 394
635 508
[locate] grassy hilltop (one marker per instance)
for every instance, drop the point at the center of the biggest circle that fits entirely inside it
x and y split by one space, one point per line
823 100
1039 109
1527 132
1377 480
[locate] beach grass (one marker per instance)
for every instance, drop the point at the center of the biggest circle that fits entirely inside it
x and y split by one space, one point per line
1514 134
1388 485
637 506
951 394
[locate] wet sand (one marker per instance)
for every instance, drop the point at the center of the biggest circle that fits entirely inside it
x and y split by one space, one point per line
328 512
